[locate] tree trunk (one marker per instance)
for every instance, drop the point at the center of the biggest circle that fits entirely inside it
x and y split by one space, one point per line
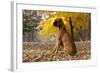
89 27
71 27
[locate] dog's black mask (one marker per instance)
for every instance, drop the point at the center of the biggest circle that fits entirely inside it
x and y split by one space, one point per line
57 22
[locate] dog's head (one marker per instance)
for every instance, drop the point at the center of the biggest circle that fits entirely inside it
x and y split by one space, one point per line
58 22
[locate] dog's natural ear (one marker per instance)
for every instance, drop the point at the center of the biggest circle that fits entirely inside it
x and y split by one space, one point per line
57 22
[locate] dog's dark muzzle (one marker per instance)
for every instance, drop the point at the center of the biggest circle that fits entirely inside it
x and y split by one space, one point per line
55 23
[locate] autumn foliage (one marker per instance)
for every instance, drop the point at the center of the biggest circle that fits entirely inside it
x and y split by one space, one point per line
78 20
39 35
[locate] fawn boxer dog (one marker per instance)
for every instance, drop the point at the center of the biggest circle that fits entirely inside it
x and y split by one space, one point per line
63 39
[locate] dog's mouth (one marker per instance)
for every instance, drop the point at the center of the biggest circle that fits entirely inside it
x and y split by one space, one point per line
55 23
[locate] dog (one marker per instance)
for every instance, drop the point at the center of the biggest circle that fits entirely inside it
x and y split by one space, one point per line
63 39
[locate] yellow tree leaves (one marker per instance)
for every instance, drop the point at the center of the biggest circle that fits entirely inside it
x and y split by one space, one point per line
47 27
78 19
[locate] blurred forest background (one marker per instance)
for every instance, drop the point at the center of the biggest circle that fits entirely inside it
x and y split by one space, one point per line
77 24
39 32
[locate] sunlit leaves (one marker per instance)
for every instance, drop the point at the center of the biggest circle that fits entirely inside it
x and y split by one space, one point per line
78 20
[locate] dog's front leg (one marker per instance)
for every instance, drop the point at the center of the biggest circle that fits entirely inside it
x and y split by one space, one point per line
55 50
57 47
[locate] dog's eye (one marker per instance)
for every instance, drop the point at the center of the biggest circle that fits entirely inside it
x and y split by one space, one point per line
58 20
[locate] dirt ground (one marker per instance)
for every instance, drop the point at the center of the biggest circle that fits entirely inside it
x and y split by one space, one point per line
37 52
